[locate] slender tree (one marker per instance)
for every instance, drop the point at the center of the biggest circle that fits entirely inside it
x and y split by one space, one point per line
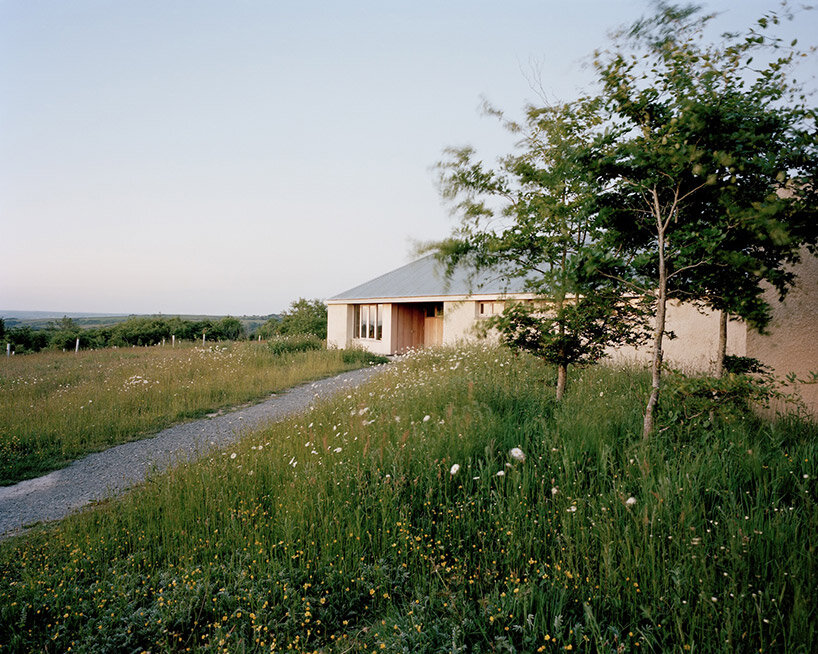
703 145
533 218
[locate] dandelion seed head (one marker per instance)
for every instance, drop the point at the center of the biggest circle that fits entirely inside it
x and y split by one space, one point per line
517 454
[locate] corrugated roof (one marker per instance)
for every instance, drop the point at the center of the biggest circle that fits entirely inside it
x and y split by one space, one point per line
426 277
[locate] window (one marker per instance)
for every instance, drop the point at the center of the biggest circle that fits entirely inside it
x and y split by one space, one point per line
489 308
367 321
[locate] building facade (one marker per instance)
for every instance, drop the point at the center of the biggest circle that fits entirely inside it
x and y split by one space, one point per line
418 305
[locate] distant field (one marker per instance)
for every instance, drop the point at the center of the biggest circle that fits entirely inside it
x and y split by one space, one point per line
60 406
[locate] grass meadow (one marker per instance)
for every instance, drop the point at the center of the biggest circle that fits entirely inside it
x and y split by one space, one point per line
448 506
59 406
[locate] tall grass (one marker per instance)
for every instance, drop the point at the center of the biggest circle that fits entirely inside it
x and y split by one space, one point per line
352 529
60 406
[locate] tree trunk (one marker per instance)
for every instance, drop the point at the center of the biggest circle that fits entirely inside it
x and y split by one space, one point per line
562 374
722 353
658 337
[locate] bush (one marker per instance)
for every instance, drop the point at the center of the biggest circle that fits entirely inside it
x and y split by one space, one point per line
360 356
295 343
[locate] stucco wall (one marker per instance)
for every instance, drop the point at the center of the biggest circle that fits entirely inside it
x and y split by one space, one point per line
791 346
339 324
458 321
696 344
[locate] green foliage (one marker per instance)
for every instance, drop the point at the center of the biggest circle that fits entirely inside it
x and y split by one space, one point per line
304 317
359 356
294 343
137 330
576 332
345 529
706 173
24 339
534 218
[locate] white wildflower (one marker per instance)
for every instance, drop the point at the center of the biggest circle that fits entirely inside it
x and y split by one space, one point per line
630 501
517 454
337 450
233 456
427 418
501 473
554 490
572 508
454 469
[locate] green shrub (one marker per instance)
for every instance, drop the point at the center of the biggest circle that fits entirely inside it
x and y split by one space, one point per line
295 343
361 356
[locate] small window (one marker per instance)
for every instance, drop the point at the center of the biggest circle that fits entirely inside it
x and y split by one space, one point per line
485 309
434 310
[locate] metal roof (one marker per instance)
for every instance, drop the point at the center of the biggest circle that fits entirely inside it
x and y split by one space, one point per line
426 277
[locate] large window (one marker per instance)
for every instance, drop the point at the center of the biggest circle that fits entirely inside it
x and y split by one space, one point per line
368 321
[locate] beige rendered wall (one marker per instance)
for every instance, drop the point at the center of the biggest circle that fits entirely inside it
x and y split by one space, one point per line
696 344
791 344
458 322
339 325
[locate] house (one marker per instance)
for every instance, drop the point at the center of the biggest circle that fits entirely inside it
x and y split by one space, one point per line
417 305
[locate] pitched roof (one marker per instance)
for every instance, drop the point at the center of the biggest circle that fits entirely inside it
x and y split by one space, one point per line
426 277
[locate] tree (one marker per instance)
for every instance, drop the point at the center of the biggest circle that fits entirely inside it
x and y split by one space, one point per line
229 329
702 147
533 218
304 317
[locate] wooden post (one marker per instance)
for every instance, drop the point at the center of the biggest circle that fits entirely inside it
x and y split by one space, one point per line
163 341
8 349
77 346
173 341
203 338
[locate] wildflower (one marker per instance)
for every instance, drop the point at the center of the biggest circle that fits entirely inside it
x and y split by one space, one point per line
501 473
554 490
427 418
572 508
630 501
233 456
454 469
517 454
337 450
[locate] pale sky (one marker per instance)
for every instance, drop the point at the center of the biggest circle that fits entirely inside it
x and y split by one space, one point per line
203 157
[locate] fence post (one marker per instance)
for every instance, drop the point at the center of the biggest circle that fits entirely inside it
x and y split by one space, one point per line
77 346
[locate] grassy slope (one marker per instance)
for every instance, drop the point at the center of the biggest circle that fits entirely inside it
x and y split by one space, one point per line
345 531
60 406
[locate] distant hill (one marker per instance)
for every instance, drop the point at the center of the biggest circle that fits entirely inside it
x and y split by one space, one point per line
42 319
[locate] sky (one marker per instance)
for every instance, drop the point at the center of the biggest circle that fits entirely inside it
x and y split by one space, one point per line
203 157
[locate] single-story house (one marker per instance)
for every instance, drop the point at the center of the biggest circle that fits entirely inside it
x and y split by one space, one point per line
417 305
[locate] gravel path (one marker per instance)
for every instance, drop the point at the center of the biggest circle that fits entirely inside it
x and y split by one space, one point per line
104 474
